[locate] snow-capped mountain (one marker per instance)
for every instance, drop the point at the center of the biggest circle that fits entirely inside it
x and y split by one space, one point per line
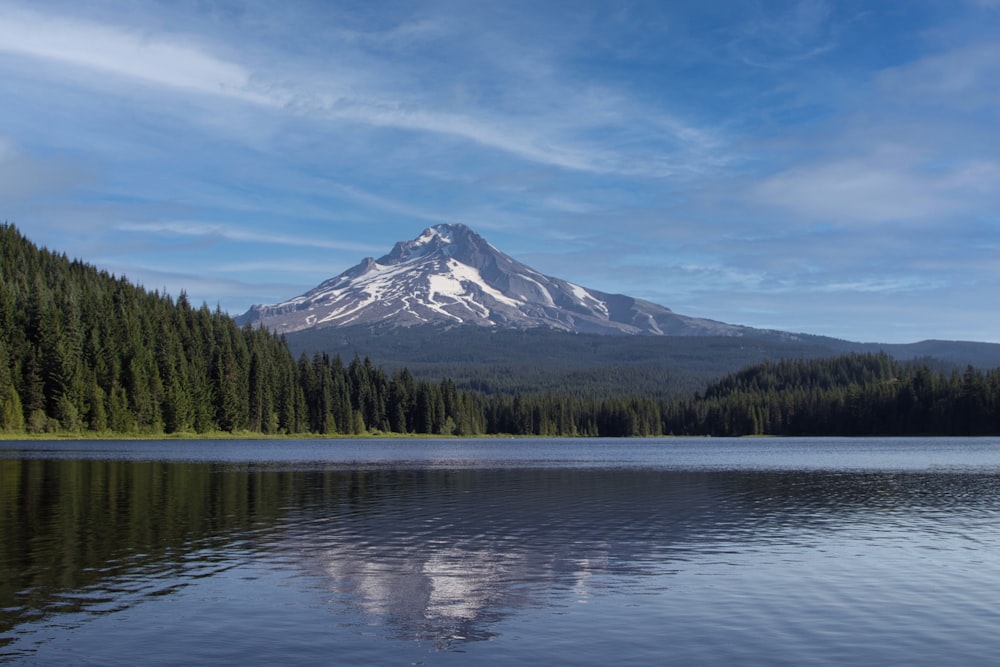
449 275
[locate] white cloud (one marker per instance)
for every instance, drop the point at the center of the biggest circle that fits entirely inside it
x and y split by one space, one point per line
960 77
151 59
875 284
241 234
873 189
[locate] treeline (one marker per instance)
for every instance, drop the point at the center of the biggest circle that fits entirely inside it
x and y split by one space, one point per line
854 395
84 351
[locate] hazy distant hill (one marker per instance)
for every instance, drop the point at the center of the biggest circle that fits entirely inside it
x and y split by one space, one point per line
547 360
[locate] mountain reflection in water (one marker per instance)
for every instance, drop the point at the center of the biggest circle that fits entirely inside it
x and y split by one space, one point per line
432 555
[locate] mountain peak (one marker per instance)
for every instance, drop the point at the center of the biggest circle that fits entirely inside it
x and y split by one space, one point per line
447 233
450 275
446 238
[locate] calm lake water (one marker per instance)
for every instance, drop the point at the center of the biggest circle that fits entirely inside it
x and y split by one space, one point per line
501 552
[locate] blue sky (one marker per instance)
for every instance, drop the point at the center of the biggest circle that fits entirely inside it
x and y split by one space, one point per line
822 167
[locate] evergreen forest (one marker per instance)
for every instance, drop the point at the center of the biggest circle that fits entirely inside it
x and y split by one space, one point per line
85 352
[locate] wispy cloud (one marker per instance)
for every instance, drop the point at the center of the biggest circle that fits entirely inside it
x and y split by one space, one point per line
962 77
181 64
773 38
156 60
241 234
887 285
382 203
872 189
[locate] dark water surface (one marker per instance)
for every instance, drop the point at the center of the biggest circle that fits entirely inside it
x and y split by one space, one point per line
495 552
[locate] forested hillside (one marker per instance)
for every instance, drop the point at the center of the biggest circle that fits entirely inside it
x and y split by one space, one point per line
856 394
84 351
81 350
508 361
511 361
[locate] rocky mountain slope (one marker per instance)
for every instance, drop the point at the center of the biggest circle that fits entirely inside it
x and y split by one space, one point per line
450 275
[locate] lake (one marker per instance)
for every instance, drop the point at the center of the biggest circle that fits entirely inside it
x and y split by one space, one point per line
501 552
